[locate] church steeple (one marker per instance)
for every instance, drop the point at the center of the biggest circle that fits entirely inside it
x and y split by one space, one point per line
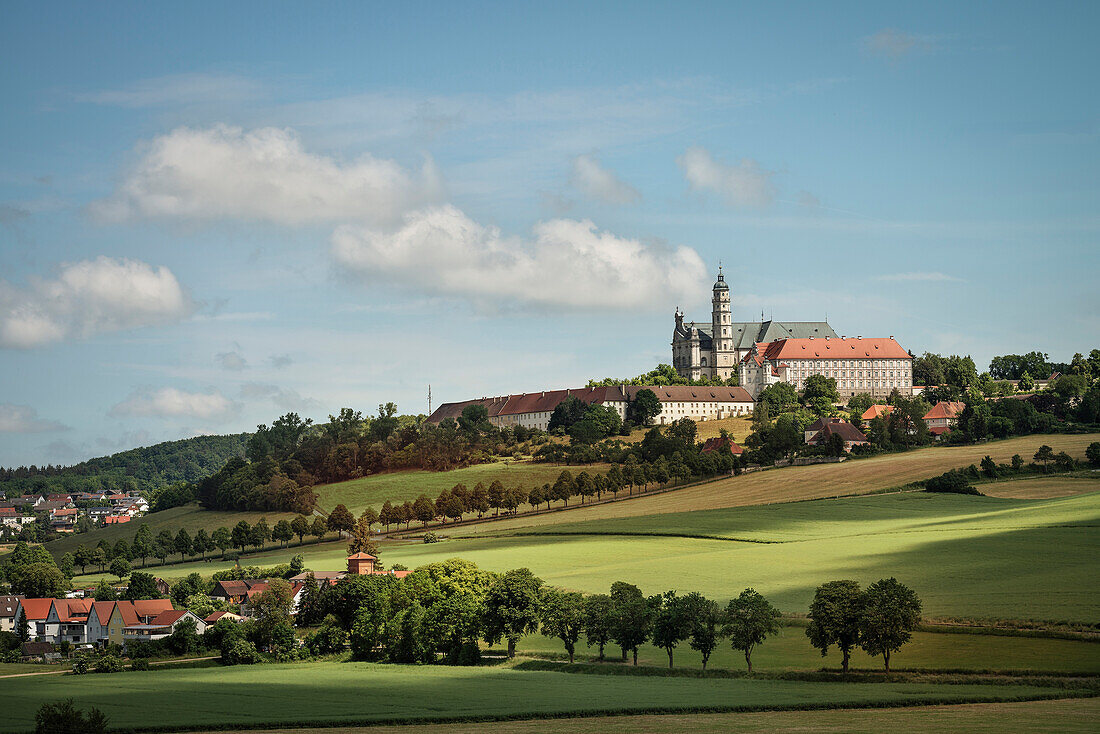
721 316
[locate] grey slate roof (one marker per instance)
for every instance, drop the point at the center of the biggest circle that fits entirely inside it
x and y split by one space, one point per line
747 333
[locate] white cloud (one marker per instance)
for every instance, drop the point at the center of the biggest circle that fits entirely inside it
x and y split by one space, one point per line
893 44
24 419
281 397
170 402
744 184
262 175
918 277
566 263
177 89
90 297
279 361
232 361
601 184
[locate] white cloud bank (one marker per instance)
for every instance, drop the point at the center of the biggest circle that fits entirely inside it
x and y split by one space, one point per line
601 184
743 185
24 419
170 402
87 298
262 175
565 263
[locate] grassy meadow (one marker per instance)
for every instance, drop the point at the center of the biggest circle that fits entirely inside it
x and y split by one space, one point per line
1066 716
791 650
357 494
366 692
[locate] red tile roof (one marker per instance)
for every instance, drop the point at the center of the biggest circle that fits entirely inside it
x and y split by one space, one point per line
151 607
168 617
944 409
716 443
875 411
839 348
361 556
848 432
36 609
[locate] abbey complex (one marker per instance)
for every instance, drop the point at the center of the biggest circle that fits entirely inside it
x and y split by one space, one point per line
760 353
746 356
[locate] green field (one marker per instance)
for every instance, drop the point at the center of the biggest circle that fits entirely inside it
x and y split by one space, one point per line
977 557
191 517
791 650
357 494
819 481
1066 716
326 691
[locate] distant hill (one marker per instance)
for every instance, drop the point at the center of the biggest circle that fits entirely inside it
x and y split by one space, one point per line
149 468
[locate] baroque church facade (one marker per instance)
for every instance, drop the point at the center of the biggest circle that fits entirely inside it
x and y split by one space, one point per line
716 348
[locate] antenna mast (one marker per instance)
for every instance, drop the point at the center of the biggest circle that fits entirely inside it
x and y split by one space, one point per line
429 399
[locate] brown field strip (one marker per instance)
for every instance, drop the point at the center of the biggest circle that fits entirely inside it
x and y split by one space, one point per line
791 484
1039 717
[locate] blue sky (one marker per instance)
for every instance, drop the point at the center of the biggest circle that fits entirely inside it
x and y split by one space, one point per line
211 214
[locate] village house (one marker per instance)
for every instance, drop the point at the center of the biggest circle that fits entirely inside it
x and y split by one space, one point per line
718 443
35 611
835 427
107 619
163 625
876 411
8 607
942 417
67 621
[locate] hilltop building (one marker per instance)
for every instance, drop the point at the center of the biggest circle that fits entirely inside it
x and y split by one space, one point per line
716 348
872 366
533 410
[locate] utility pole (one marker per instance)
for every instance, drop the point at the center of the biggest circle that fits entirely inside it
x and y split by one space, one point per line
429 399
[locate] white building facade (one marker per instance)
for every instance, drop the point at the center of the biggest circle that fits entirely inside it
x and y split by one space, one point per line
873 366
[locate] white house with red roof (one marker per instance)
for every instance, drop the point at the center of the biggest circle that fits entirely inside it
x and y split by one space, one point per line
162 625
874 366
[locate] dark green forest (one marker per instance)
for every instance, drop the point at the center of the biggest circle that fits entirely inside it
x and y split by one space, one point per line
149 469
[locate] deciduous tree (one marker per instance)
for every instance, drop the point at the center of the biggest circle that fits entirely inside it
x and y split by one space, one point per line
750 619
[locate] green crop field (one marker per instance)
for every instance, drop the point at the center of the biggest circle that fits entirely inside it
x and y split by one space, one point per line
1066 716
978 557
357 494
191 517
327 691
791 650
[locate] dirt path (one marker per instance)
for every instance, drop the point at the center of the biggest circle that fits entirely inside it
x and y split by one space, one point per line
69 670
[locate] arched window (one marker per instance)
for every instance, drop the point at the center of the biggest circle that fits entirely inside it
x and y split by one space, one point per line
704 361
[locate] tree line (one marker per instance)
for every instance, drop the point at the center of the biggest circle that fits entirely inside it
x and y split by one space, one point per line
443 609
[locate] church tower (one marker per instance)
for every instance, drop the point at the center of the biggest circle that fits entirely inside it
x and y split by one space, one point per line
722 325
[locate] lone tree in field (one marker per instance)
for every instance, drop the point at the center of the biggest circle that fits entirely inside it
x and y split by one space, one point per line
671 622
597 621
300 526
631 617
120 567
705 622
891 612
341 520
835 616
562 616
512 608
1044 456
750 619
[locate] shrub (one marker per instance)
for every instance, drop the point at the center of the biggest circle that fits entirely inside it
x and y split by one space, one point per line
329 638
430 537
240 652
64 718
139 664
952 482
108 664
82 665
1092 453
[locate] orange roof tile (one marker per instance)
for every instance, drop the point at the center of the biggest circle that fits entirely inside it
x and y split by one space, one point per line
839 348
875 411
